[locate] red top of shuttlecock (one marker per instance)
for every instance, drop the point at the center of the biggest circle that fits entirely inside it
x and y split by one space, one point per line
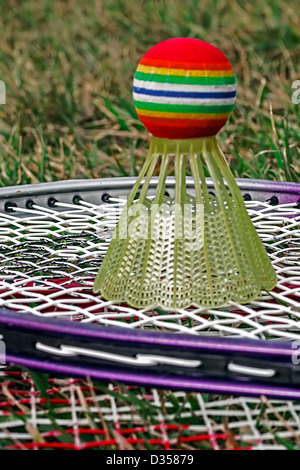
184 88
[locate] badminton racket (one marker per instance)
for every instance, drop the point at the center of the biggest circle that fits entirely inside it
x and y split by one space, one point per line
53 237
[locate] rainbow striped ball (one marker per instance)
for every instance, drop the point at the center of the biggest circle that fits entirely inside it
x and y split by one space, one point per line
184 88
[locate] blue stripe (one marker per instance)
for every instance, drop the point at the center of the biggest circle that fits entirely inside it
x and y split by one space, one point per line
185 94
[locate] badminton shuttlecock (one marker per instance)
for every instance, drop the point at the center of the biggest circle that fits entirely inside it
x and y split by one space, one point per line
198 248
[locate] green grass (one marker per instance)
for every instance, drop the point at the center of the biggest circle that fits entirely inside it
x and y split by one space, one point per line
68 68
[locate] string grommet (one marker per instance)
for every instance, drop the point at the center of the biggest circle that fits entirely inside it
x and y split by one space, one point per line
9 206
52 202
29 204
76 199
273 201
105 198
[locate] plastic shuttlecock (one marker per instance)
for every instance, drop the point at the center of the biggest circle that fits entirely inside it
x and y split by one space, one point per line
200 247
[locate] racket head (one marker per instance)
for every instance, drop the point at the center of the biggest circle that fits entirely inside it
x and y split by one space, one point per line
55 286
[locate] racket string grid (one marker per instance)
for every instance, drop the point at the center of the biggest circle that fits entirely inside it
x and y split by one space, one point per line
92 416
50 257
48 260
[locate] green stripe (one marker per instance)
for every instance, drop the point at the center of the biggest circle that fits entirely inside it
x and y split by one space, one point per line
153 77
184 108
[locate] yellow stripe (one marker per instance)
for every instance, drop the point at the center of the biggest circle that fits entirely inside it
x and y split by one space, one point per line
183 72
162 114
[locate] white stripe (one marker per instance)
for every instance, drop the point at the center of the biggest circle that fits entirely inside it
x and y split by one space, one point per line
251 370
179 87
139 359
192 101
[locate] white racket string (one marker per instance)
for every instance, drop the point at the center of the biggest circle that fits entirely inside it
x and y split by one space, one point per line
60 250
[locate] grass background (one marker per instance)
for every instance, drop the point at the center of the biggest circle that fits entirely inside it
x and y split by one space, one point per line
68 68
